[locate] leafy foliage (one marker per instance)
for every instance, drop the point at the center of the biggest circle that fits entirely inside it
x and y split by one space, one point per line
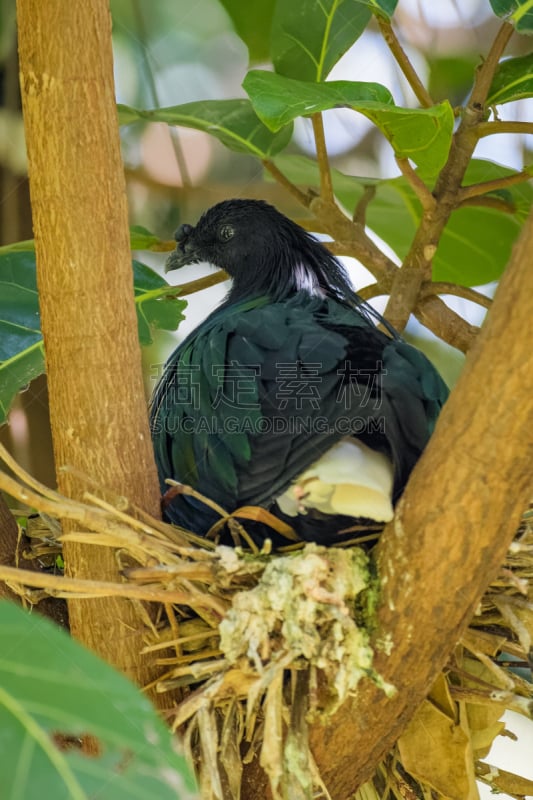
234 122
519 12
21 345
512 81
51 687
308 38
253 22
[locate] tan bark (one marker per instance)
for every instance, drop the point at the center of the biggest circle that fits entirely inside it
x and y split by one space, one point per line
449 537
97 406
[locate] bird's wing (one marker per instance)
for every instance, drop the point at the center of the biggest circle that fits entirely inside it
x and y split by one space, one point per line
263 390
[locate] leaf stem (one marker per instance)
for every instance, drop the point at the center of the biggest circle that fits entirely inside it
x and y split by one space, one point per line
326 186
421 93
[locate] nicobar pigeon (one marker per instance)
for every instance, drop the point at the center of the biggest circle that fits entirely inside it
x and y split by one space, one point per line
287 397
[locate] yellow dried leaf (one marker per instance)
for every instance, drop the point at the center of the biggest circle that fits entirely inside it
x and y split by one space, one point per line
441 697
437 752
502 781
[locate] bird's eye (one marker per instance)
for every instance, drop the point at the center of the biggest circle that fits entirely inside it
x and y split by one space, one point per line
226 232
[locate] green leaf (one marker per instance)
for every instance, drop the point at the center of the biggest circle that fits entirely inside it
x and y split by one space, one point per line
477 241
50 685
278 100
519 12
18 247
21 346
253 23
309 37
233 122
142 239
157 308
513 80
422 134
21 350
385 8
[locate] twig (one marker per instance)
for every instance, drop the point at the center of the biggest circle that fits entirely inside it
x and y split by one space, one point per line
370 291
511 126
416 269
466 292
282 179
420 188
326 186
486 71
421 93
476 189
359 214
497 203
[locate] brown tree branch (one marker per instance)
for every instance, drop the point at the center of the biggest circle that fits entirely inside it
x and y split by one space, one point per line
421 93
416 268
486 201
466 292
441 320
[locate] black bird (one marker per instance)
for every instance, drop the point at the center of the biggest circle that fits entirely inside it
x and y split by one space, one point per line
287 396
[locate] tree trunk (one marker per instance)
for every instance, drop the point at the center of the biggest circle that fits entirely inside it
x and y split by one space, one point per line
450 534
97 405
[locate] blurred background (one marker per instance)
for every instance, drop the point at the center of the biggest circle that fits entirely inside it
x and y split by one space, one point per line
169 53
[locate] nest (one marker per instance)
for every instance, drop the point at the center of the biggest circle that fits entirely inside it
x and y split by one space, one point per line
257 645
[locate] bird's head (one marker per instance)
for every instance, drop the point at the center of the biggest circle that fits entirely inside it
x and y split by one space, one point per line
261 249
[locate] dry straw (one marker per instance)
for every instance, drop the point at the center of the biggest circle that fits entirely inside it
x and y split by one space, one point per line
256 645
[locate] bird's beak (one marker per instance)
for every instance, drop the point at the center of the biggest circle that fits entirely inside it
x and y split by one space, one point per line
180 257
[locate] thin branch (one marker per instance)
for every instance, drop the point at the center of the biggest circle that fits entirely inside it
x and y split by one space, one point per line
282 179
326 186
420 188
434 314
510 126
364 250
370 291
486 71
466 292
421 93
359 214
486 201
476 189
